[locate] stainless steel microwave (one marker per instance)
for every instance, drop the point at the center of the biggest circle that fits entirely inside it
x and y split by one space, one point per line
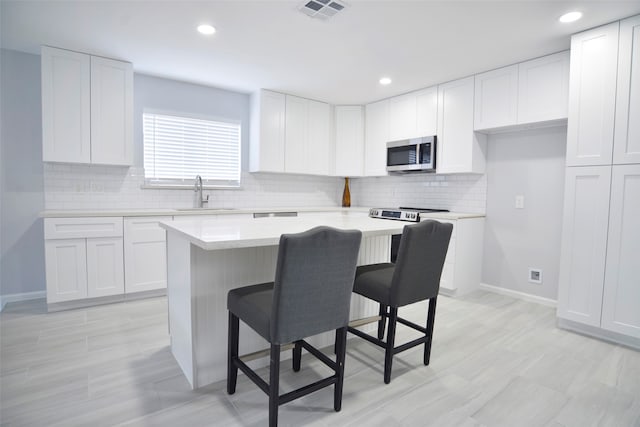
412 155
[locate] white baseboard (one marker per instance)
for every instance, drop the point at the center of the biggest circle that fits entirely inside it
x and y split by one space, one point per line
520 295
4 299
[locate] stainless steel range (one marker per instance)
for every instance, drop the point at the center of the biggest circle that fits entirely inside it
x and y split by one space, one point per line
402 213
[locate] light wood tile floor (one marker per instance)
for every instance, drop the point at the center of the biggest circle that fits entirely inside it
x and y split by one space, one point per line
496 361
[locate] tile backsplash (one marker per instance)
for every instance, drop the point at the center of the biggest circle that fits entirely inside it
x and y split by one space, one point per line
457 193
69 186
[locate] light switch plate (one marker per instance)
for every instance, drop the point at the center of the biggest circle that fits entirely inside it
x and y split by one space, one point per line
520 202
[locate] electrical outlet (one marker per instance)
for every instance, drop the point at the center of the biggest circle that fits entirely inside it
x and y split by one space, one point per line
520 202
535 275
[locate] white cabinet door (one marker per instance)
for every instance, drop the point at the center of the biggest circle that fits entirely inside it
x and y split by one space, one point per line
426 111
319 152
111 112
402 117
296 134
376 138
459 148
496 98
105 267
145 254
592 96
626 147
66 269
267 132
621 299
584 243
66 98
349 141
543 88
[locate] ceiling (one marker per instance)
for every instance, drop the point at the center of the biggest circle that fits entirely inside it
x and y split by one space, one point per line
270 44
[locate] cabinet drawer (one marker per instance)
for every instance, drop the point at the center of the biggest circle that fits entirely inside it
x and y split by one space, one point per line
78 228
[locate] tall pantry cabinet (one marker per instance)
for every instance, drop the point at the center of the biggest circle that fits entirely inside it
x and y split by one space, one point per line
600 269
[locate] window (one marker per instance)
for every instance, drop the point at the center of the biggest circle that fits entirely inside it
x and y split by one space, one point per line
176 149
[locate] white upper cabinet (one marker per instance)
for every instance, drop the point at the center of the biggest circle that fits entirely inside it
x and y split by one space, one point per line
66 106
290 134
296 134
584 243
349 154
413 115
496 98
543 89
87 108
621 298
530 93
111 112
267 132
320 141
376 138
626 147
592 96
426 111
308 143
459 148
402 117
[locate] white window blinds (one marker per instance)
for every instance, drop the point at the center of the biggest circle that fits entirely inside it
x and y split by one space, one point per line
176 149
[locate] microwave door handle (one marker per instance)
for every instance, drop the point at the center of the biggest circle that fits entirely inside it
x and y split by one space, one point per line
418 160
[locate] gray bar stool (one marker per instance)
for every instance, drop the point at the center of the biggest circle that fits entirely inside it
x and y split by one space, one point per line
414 277
311 294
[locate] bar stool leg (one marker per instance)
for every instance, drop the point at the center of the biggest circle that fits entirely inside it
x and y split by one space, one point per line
431 317
274 385
297 355
341 341
232 352
391 336
382 321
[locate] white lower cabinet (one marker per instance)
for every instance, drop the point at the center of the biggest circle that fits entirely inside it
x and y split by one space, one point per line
66 269
621 297
599 266
105 270
463 265
83 258
584 243
145 254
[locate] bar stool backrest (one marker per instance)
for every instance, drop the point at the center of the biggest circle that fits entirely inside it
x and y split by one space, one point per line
313 284
423 249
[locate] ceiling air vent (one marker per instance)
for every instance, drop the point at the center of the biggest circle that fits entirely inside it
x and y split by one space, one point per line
322 9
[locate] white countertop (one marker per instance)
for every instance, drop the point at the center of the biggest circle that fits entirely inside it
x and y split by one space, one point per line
215 233
77 213
211 234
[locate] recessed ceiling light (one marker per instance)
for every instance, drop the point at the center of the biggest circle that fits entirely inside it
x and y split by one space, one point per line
385 81
570 17
206 29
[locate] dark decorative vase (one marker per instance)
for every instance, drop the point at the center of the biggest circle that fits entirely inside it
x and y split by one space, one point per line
346 195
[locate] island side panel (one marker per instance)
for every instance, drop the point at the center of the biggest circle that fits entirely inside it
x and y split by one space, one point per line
216 272
179 298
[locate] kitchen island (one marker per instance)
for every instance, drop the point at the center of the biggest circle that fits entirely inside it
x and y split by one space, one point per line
209 256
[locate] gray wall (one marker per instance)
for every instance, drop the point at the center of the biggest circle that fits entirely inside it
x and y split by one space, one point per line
21 233
178 97
529 163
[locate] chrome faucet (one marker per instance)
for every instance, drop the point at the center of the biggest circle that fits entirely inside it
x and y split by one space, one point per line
199 201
